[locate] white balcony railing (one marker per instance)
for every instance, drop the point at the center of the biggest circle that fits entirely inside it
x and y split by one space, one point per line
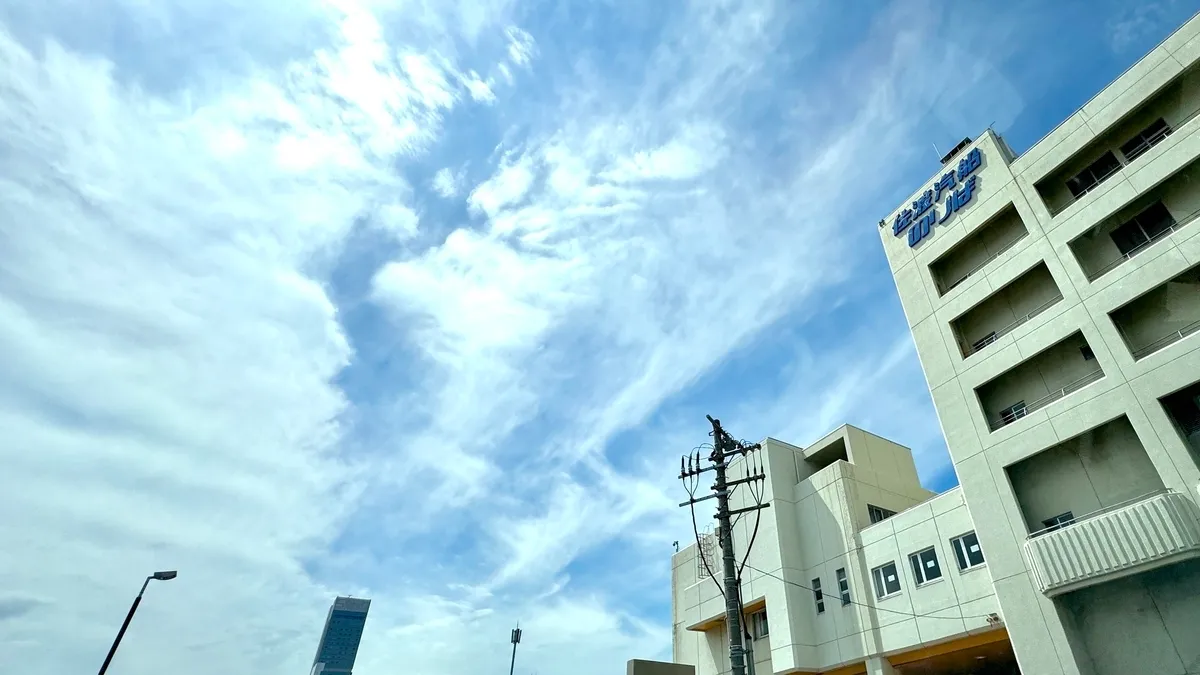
1001 332
1125 257
1135 536
1015 413
947 287
1148 143
1167 340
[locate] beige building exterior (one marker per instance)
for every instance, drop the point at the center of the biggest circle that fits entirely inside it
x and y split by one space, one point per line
903 584
1054 300
1055 307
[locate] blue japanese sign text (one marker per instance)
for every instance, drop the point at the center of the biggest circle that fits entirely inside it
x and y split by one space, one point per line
922 216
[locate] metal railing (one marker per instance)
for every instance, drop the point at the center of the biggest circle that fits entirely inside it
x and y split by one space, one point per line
1046 400
1149 142
979 345
1117 262
949 287
1158 136
1099 181
1167 341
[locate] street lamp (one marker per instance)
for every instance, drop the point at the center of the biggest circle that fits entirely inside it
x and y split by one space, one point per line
157 576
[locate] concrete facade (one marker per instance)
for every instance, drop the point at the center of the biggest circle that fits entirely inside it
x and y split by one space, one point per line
1056 314
819 533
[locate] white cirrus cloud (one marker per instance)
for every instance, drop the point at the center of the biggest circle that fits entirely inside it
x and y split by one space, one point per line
295 300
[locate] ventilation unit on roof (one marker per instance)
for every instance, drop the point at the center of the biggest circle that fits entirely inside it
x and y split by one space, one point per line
950 155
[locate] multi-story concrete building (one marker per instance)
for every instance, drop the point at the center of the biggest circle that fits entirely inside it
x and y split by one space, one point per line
1054 299
342 634
855 568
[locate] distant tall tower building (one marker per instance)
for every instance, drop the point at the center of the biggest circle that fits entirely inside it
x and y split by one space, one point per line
339 640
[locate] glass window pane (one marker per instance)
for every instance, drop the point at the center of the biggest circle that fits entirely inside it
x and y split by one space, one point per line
929 562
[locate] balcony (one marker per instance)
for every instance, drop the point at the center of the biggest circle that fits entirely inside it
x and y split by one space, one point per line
1136 228
977 249
1183 407
1161 317
1004 311
1137 536
1124 144
1039 381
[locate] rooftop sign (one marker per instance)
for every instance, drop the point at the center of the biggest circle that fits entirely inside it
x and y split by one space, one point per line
920 219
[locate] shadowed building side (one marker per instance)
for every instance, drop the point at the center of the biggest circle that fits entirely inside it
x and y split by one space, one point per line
343 632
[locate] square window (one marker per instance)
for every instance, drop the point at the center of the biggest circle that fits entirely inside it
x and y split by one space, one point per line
887 580
843 586
967 552
759 621
925 566
818 596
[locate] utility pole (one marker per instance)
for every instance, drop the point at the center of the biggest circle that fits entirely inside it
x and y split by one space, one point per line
724 449
515 640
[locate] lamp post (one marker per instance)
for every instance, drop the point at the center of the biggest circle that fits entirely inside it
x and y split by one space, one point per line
157 576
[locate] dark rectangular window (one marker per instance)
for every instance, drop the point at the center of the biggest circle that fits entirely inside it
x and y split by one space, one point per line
887 580
1153 223
925 566
1145 139
759 621
1088 354
1012 413
967 552
1059 521
843 586
1094 174
877 514
818 596
983 342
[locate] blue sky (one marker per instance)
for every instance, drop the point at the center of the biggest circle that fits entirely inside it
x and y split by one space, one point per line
423 299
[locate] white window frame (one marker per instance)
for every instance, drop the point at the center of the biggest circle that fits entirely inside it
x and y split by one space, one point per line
758 620
818 595
843 586
881 581
920 567
957 544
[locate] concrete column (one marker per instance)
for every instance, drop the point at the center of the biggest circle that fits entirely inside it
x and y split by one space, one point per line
878 665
